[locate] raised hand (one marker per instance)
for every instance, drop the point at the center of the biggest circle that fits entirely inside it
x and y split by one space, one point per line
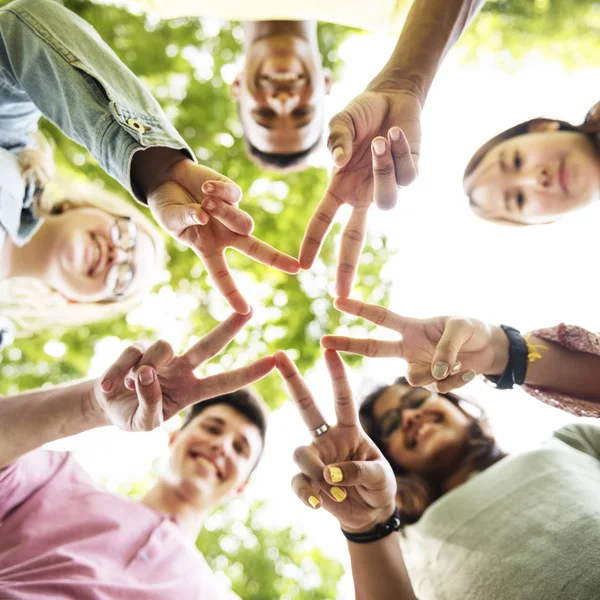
197 206
342 469
375 143
164 384
446 350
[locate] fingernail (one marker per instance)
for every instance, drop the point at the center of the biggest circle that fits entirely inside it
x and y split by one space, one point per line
338 493
379 147
196 219
336 474
468 376
313 501
456 368
337 153
209 187
395 134
209 204
146 376
440 369
106 385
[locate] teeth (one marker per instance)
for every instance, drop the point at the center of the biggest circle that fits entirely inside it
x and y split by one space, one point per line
283 77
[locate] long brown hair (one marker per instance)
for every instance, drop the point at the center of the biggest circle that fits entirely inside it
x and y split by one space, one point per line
416 492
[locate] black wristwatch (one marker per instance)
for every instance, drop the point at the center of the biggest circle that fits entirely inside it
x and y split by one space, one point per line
516 369
378 532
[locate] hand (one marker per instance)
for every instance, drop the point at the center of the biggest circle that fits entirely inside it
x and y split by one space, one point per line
342 469
378 118
37 164
181 198
164 384
449 350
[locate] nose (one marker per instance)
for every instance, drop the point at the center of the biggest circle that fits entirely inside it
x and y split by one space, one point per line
540 177
409 416
283 101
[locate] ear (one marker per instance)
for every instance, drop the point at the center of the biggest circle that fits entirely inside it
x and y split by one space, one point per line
593 113
174 435
328 77
544 126
64 207
236 87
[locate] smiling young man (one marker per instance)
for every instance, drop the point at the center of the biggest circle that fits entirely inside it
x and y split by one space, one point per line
64 537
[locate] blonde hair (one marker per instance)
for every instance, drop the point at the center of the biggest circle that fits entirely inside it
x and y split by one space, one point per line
34 306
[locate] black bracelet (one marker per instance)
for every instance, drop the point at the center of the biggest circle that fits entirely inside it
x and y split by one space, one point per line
516 369
380 530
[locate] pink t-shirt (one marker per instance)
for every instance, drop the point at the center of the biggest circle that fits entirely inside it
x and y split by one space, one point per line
63 537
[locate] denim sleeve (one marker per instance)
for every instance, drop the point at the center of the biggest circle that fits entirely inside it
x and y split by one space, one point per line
54 62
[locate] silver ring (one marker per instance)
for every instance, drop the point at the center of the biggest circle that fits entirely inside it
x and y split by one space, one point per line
320 430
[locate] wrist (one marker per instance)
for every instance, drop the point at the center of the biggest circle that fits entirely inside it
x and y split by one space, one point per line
372 520
92 411
396 80
500 347
150 168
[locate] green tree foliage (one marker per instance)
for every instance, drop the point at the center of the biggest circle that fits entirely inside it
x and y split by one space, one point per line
563 30
182 62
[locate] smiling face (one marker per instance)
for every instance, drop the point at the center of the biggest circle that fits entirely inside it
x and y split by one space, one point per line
212 457
281 94
536 177
422 432
97 256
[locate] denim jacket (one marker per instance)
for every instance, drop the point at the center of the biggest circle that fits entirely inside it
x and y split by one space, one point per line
53 63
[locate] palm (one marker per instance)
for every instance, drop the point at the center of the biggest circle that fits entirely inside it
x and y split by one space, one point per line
348 443
210 239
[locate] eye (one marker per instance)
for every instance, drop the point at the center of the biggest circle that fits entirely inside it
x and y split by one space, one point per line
390 424
520 200
517 161
265 113
417 403
211 429
301 112
241 449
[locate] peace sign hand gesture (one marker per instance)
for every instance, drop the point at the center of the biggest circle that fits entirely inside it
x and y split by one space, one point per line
342 469
449 350
143 389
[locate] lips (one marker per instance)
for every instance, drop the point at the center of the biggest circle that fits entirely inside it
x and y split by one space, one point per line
98 257
207 462
563 177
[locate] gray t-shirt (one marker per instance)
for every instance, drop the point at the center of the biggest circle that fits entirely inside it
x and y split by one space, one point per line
527 528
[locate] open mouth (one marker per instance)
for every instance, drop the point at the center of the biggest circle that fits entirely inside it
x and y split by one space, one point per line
96 259
207 463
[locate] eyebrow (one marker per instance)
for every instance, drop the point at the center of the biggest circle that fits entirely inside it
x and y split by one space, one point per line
503 166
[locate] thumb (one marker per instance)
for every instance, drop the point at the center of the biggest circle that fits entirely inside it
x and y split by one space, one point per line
175 216
456 334
341 136
149 413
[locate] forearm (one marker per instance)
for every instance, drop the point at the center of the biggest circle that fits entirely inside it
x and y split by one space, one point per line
32 419
379 571
564 371
431 29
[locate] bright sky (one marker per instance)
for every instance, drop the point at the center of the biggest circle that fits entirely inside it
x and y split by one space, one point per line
448 262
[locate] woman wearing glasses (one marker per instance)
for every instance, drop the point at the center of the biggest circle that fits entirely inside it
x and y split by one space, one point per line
89 256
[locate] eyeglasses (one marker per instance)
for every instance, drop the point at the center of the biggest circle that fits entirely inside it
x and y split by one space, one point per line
123 235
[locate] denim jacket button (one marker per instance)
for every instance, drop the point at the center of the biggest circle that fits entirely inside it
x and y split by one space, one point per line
137 125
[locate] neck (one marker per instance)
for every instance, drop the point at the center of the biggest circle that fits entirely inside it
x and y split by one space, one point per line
165 498
31 260
257 30
458 475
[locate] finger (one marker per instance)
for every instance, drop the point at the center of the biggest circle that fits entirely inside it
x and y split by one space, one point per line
176 210
119 369
405 164
309 462
345 409
455 382
217 339
353 242
317 229
456 334
267 255
341 136
223 190
149 414
363 346
385 190
308 493
217 268
231 216
157 355
372 312
370 474
225 383
303 399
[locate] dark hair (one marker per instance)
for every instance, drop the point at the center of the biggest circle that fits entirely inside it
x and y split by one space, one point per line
244 401
416 492
280 162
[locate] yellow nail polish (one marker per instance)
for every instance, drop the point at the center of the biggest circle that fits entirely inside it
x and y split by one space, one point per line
313 501
338 493
336 474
